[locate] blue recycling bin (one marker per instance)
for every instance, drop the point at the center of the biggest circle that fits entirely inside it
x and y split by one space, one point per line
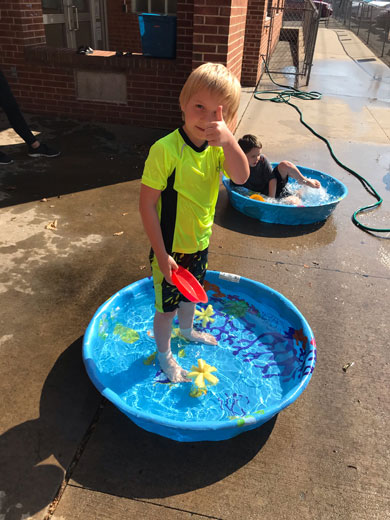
158 35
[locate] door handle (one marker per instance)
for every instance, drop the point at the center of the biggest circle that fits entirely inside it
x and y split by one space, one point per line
76 18
70 25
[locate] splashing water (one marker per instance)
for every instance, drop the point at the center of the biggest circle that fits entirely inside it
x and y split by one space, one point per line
309 196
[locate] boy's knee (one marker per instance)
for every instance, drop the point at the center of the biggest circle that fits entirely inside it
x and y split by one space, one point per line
284 167
161 315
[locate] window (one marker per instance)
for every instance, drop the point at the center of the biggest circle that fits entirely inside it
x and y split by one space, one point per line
154 6
269 9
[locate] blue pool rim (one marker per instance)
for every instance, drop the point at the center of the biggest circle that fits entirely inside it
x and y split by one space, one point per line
287 214
218 430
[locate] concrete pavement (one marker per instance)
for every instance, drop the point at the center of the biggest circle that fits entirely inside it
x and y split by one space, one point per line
326 456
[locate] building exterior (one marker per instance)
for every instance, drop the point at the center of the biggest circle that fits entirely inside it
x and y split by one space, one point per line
117 83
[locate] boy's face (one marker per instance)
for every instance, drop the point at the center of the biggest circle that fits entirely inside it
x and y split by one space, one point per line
253 156
199 111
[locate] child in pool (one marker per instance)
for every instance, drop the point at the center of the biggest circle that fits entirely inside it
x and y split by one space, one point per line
271 182
179 191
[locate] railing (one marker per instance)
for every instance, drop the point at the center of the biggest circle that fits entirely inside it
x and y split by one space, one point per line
291 39
368 20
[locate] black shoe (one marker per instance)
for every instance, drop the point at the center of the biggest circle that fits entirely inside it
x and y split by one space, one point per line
42 151
4 159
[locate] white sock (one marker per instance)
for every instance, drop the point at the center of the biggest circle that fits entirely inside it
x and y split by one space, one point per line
201 337
174 372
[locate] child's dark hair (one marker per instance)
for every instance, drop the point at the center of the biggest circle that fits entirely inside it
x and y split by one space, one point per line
248 142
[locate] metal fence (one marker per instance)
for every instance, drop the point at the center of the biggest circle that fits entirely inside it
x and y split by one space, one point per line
291 40
368 20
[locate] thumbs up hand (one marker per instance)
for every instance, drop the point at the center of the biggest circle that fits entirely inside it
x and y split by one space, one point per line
216 132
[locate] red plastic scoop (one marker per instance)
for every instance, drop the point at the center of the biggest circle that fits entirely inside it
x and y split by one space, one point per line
188 285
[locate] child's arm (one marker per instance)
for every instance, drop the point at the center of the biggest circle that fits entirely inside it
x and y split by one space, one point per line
147 207
288 168
236 163
272 188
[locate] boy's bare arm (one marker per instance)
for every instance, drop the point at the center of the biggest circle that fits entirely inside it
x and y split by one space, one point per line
147 207
218 134
272 188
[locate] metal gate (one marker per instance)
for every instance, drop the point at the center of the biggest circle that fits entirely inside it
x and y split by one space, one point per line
292 36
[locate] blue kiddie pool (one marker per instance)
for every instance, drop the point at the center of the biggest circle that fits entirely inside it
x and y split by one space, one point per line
264 359
318 204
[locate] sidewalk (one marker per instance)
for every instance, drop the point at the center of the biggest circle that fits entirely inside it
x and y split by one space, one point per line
326 456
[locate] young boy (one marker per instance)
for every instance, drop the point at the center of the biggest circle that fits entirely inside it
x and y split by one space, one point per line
268 181
179 192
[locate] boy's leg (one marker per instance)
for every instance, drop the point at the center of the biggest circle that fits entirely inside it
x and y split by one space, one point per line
288 169
186 314
162 336
166 308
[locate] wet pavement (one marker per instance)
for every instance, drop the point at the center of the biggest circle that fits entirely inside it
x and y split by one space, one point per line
325 456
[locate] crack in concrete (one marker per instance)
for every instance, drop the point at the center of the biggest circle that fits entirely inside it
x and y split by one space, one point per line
79 451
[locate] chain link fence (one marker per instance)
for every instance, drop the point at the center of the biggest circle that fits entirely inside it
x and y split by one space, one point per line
292 34
370 21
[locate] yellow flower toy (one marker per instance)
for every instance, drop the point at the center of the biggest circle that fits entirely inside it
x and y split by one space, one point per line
201 374
204 315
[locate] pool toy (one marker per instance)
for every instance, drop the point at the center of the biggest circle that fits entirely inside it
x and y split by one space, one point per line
257 196
188 285
265 358
201 374
286 213
205 315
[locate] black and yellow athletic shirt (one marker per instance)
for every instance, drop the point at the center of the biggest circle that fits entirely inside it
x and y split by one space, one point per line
188 178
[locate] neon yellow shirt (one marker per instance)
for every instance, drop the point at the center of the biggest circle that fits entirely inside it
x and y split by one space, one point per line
188 178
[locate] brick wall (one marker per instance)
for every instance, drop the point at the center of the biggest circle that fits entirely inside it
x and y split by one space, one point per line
236 36
20 25
43 78
123 28
256 36
257 39
219 28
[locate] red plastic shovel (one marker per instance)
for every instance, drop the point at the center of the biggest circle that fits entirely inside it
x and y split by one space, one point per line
188 285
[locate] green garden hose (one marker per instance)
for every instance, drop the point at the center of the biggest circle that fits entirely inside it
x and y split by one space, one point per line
284 96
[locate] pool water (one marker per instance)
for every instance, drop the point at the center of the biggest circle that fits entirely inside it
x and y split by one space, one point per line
309 196
259 358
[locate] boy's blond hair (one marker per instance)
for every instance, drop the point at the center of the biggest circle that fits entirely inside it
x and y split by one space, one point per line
219 80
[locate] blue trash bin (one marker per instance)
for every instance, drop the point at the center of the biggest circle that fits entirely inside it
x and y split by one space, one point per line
158 35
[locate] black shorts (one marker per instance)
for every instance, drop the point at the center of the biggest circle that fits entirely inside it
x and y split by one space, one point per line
281 188
167 296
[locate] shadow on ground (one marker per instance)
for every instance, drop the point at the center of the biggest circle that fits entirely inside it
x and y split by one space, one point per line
91 156
116 457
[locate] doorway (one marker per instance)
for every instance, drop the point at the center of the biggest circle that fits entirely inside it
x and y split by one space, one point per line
72 23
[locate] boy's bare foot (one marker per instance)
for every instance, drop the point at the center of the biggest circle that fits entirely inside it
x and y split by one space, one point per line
200 337
174 372
313 183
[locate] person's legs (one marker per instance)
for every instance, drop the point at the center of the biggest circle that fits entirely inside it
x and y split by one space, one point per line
11 108
186 314
196 263
166 301
282 192
162 336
